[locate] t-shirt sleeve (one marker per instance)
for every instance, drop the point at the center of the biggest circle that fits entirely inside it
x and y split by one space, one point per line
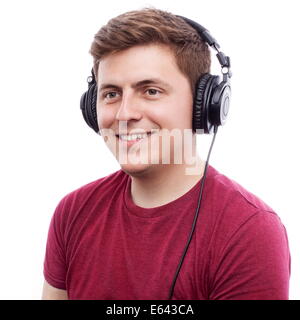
55 260
255 262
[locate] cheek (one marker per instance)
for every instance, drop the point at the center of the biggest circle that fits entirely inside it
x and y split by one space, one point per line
105 117
175 114
183 112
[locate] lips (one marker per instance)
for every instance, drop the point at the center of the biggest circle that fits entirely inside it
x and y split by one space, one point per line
134 137
135 133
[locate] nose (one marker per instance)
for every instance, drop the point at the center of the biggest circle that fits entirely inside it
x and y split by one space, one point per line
129 108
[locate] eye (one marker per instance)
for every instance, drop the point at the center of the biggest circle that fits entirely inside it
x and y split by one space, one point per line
110 95
152 92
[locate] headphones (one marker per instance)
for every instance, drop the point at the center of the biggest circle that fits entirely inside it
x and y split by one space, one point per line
212 95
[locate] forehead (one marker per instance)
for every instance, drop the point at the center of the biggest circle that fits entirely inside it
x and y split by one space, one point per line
135 63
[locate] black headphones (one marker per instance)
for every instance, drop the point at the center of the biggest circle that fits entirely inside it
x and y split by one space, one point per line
212 95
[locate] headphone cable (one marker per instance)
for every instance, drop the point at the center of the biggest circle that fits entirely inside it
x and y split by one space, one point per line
195 217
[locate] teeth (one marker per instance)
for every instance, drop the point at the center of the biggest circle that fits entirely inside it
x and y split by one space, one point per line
133 136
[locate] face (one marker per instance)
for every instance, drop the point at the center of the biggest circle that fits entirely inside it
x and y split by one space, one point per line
141 90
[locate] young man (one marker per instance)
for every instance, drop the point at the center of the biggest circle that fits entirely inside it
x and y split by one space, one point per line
122 236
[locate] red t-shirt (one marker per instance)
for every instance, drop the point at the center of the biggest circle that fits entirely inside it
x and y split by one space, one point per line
103 246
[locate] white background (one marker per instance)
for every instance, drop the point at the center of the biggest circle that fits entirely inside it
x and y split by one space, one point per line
48 151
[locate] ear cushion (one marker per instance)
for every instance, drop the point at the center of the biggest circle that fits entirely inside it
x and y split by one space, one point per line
83 106
88 104
202 99
93 109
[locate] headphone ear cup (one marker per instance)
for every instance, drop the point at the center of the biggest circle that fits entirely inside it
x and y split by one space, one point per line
201 108
88 106
220 104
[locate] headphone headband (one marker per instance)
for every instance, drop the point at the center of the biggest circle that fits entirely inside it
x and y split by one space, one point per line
211 41
204 33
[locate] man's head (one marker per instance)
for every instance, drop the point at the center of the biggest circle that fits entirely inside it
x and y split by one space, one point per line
141 27
147 64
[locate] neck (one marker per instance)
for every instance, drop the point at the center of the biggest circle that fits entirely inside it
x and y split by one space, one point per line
164 184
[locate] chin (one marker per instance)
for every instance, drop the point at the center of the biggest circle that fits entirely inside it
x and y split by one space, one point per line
136 170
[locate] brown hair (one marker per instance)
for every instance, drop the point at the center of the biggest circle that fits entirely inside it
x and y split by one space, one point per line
148 26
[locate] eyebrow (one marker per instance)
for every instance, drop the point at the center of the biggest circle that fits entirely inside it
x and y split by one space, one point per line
155 81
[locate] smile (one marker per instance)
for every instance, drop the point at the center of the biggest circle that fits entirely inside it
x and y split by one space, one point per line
132 138
136 136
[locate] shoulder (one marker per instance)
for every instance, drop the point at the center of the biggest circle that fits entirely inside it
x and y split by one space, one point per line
104 184
243 228
87 195
233 210
229 196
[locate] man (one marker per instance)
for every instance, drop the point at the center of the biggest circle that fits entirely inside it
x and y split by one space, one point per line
122 236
